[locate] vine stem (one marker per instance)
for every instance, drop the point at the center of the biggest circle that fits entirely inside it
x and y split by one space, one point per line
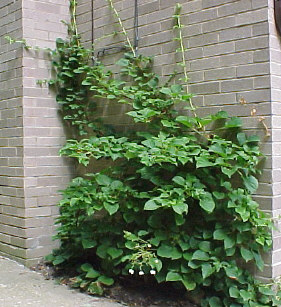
73 5
179 26
122 27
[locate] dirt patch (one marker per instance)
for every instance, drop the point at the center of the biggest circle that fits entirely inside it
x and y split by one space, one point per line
129 291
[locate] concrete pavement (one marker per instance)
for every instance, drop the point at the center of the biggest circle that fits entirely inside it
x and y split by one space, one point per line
21 287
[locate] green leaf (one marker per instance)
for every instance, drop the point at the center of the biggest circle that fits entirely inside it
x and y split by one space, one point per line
246 295
166 91
220 234
215 302
220 115
68 74
266 290
234 292
246 254
106 280
187 256
180 208
251 183
73 201
184 246
85 267
114 252
155 263
205 246
102 251
179 180
241 137
203 162
111 208
229 171
111 97
259 261
142 233
200 255
50 258
130 245
207 270
207 203
123 62
103 180
160 277
189 284
169 124
219 195
59 41
130 236
167 251
95 288
232 272
229 242
173 276
186 121
153 82
244 213
234 122
147 112
88 243
58 260
151 205
92 274
86 82
230 251
176 88
179 219
253 139
194 264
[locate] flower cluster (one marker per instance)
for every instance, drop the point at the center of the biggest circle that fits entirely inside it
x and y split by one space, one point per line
132 272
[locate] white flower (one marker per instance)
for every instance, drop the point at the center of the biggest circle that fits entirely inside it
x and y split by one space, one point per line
152 272
149 245
141 272
156 260
131 271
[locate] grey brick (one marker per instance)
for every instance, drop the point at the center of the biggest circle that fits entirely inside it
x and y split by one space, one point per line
205 88
252 43
262 82
252 17
219 24
235 34
237 85
260 28
218 49
207 63
235 8
220 74
256 96
202 16
253 69
262 55
236 59
203 40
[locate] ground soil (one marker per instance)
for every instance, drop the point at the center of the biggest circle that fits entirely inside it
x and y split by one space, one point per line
129 291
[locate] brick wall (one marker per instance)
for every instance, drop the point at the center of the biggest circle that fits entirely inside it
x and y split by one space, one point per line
31 131
45 172
228 48
233 60
11 131
233 63
275 78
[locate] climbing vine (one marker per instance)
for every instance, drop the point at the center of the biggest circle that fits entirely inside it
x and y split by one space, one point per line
175 200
